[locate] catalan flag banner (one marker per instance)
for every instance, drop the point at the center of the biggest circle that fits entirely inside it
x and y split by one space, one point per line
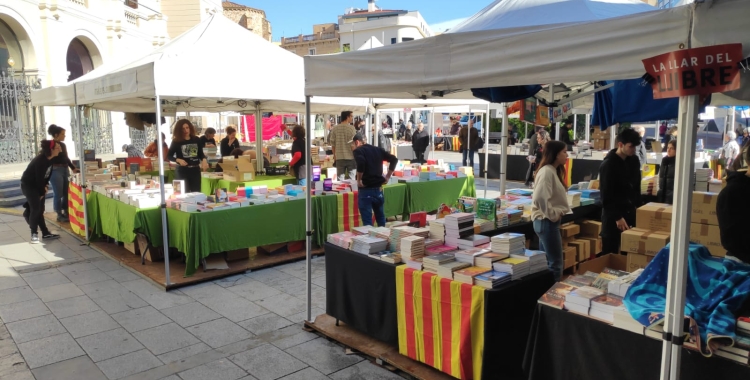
440 322
75 209
569 172
348 210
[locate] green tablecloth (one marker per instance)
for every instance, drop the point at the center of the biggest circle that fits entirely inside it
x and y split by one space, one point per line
209 185
168 175
324 217
121 221
428 196
395 199
200 234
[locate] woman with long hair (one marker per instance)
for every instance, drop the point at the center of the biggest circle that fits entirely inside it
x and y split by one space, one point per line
550 203
187 151
34 187
59 177
666 174
230 142
297 164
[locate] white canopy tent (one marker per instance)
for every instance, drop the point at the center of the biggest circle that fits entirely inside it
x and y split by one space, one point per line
371 43
450 64
259 77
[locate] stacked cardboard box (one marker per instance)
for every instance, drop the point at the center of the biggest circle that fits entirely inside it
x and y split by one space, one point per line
600 139
578 246
704 225
653 223
590 230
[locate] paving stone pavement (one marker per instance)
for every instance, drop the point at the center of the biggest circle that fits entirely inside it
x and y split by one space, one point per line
69 313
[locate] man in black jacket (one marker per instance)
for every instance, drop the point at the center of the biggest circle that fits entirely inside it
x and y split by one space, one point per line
370 179
620 186
419 142
732 209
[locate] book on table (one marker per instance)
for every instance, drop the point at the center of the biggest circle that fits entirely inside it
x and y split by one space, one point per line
491 279
467 275
446 270
582 296
555 296
485 260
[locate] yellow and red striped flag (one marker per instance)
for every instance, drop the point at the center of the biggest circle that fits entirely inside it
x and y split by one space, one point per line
348 210
568 172
440 322
75 209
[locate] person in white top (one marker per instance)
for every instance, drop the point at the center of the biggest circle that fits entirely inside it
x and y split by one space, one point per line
550 203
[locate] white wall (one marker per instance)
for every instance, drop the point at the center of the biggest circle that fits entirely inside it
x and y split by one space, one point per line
410 25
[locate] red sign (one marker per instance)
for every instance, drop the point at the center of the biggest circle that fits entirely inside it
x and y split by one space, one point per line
698 71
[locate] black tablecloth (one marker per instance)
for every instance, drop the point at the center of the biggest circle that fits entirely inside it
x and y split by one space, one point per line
583 170
361 292
566 346
593 212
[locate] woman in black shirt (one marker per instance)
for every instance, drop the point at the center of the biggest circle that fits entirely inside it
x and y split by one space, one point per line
297 164
230 142
187 151
60 174
34 187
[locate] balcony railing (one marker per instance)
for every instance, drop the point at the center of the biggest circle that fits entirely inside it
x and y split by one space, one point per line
310 37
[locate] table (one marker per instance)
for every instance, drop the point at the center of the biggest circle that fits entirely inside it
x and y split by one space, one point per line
122 221
168 174
406 152
361 292
428 196
593 212
582 169
564 345
209 185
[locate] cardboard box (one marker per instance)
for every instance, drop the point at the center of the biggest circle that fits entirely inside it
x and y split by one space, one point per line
570 230
591 228
704 208
569 257
580 247
240 170
566 241
654 217
638 240
636 261
238 254
131 247
595 245
598 264
708 236
585 251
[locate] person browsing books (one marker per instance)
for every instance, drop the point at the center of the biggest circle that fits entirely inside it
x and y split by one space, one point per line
340 136
370 179
550 202
59 177
153 151
732 210
34 186
230 142
187 151
208 140
297 164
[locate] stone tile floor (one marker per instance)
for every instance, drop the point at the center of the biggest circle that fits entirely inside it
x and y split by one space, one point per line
69 313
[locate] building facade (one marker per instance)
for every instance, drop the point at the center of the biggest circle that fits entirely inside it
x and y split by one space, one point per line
359 26
251 19
48 43
324 40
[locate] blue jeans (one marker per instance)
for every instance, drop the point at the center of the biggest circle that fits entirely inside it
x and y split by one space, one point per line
59 181
469 153
302 182
371 200
551 243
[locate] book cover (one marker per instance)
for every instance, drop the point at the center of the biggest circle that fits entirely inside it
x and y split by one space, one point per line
486 209
585 293
513 261
221 195
555 296
615 272
602 280
472 271
608 300
493 276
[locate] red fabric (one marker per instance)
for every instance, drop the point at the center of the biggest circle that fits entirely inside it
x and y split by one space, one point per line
297 157
272 126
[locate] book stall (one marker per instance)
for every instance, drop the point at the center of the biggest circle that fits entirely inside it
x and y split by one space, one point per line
440 287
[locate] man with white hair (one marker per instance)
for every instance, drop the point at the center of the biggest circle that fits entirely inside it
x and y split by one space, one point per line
730 150
640 150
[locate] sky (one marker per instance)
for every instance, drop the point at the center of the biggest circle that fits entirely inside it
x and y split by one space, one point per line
290 18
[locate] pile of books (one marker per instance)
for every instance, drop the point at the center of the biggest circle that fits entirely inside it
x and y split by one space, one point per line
398 233
517 268
467 275
439 249
367 245
509 243
485 260
468 255
472 241
620 285
501 219
391 257
412 247
491 279
484 225
432 243
650 185
362 230
537 260
514 215
579 299
458 226
604 306
555 296
341 239
431 263
574 199
447 269
381 232
437 229
702 176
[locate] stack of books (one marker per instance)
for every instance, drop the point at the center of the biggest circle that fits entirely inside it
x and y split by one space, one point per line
362 230
514 215
486 260
579 300
438 250
492 279
621 318
509 243
604 306
431 263
518 268
602 280
581 280
472 241
437 229
484 225
537 260
458 226
468 255
574 199
447 269
341 239
412 247
367 245
398 233
381 232
432 243
467 275
555 296
393 258
501 219
650 185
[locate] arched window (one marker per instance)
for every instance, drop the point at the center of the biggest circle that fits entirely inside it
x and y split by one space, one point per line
78 60
9 48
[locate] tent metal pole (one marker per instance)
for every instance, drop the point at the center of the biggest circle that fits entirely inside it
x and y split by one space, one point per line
308 208
377 127
656 131
588 127
82 166
486 147
164 229
258 139
504 150
575 125
552 101
432 134
368 125
613 135
468 139
734 119
680 242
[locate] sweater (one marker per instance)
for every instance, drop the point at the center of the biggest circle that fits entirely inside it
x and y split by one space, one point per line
370 163
62 158
420 140
189 150
36 176
225 148
620 189
550 199
666 180
732 209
